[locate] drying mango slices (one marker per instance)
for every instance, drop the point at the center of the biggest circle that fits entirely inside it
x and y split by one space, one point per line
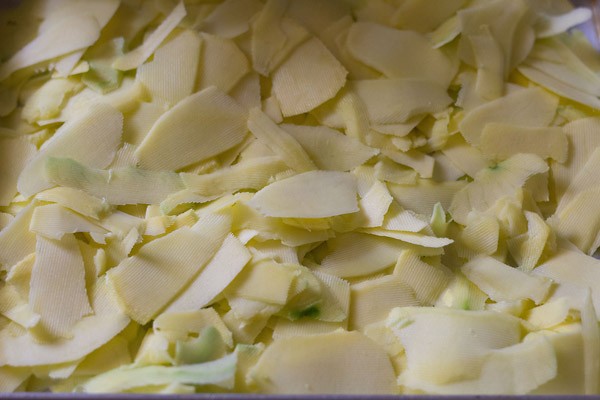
299 197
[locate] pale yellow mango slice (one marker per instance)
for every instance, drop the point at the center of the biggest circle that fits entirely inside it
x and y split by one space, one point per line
227 263
527 248
223 63
136 57
92 139
319 364
550 25
12 378
15 154
87 335
427 281
53 222
198 127
61 35
582 143
267 52
425 194
58 292
357 254
48 100
572 282
323 194
392 101
586 179
251 174
231 18
329 149
490 63
424 333
138 122
174 259
504 283
464 156
399 54
119 186
509 23
16 240
372 300
481 234
549 314
299 92
528 107
76 200
171 75
501 141
578 221
411 237
279 141
415 159
493 183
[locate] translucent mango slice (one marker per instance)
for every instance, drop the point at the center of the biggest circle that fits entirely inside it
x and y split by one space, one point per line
60 36
92 139
329 149
48 100
171 75
425 194
392 101
372 300
417 16
427 281
582 143
174 260
136 57
550 25
180 325
15 154
75 200
495 182
299 92
198 127
504 283
16 240
231 18
356 254
319 364
58 264
586 179
324 194
572 282
223 63
118 186
398 54
527 249
227 263
87 335
53 222
424 333
528 107
501 141
251 174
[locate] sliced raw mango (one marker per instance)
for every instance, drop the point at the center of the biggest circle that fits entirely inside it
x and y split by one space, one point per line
299 92
493 183
136 57
173 259
198 127
527 107
91 138
15 154
504 283
323 194
58 264
501 141
171 75
319 364
223 63
399 54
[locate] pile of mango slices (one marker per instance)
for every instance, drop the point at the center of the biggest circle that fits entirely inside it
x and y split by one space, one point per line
299 196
